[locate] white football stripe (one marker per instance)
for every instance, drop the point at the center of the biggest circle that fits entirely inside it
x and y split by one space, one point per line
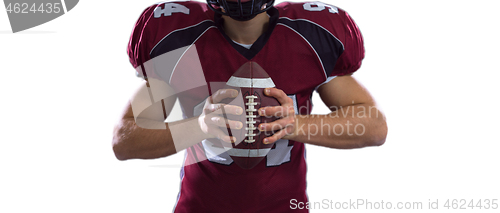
248 152
250 82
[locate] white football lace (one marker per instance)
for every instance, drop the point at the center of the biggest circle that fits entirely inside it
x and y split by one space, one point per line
250 116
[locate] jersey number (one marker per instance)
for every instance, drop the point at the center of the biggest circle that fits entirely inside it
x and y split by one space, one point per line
318 6
170 8
278 155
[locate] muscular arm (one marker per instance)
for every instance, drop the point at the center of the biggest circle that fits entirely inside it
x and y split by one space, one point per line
132 141
142 133
354 122
146 135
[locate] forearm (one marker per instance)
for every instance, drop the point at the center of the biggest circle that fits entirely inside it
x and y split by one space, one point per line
349 127
158 139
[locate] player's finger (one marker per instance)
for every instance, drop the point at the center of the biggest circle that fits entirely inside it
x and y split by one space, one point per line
223 94
278 135
278 111
215 131
279 95
277 124
221 122
228 109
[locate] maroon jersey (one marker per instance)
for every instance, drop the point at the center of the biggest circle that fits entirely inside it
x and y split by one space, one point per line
183 44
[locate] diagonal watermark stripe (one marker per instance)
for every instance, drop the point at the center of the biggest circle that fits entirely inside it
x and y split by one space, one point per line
26 14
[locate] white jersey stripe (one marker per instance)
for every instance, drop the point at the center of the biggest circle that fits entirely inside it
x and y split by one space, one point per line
250 82
248 152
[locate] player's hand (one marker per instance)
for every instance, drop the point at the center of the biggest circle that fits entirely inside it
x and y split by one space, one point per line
283 126
212 117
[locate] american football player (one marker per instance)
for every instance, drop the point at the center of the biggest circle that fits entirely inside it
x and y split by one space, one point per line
184 50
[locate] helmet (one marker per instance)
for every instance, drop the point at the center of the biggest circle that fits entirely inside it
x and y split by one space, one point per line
240 11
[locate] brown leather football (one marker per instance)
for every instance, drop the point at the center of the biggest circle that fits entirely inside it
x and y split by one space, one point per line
251 80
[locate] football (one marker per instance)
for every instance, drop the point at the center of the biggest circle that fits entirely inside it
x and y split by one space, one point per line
250 80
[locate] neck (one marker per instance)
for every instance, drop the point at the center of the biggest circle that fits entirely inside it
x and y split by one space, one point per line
246 32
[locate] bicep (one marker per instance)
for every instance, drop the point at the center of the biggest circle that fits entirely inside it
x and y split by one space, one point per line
153 102
344 91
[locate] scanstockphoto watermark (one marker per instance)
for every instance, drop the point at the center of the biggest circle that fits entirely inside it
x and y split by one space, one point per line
351 204
429 204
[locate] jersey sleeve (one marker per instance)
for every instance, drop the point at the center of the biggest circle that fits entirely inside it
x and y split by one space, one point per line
160 30
336 38
354 51
139 44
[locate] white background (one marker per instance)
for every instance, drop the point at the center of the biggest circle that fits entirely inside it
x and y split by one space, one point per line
431 65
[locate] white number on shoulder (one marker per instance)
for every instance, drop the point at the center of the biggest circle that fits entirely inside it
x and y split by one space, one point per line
169 8
318 6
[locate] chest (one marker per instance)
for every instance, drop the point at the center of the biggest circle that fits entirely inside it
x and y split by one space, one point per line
207 65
